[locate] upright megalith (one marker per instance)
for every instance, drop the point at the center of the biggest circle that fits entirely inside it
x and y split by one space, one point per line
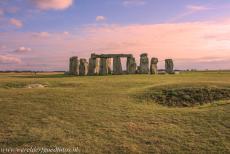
83 68
169 66
97 69
138 70
144 63
93 66
96 63
131 65
109 63
74 66
103 66
153 66
117 67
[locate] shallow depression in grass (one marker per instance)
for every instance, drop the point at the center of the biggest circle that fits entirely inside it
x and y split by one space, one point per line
187 96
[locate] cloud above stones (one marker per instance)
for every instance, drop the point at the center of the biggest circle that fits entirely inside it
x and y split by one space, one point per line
22 50
197 8
41 34
66 33
11 10
134 2
192 9
16 22
2 47
100 18
158 40
8 59
1 12
52 4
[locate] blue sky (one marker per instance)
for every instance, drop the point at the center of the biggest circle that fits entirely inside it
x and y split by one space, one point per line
34 29
83 12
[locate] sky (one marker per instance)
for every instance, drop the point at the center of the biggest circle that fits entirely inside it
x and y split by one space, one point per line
42 35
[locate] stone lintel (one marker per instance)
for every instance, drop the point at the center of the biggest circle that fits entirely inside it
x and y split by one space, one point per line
111 55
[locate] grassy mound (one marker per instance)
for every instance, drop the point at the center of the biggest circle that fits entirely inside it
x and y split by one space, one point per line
188 96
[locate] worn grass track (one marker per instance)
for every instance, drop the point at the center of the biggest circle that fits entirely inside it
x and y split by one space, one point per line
102 114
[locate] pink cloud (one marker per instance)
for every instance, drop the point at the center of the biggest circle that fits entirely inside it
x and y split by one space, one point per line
203 63
16 22
1 12
12 9
196 8
66 33
52 4
134 2
170 40
192 9
9 60
22 50
100 18
2 47
219 36
163 40
41 34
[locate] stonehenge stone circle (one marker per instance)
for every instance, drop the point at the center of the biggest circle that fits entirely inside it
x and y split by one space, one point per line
83 68
169 66
153 66
101 65
144 63
74 66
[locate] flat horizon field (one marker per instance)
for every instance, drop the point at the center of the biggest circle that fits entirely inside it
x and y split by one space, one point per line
105 114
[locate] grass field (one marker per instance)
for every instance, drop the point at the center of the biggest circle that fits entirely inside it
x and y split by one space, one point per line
102 114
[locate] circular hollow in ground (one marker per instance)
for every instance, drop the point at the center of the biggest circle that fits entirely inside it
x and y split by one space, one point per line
187 96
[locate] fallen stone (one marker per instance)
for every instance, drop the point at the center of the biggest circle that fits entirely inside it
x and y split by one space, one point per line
36 86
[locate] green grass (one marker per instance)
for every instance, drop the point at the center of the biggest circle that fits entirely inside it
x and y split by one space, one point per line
102 114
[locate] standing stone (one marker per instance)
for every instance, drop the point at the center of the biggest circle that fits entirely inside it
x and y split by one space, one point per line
144 64
131 65
153 66
169 66
96 63
97 68
103 66
138 71
93 66
117 67
109 63
74 66
83 68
